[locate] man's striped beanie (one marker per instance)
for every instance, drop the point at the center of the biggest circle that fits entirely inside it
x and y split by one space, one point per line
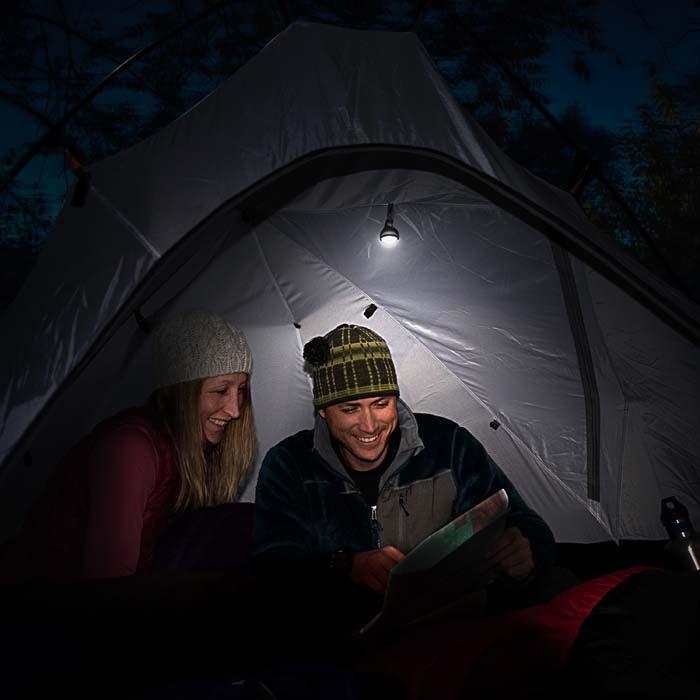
350 362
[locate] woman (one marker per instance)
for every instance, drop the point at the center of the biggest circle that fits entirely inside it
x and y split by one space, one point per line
189 447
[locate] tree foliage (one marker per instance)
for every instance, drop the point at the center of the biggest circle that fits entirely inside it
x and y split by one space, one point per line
658 171
470 48
547 154
663 153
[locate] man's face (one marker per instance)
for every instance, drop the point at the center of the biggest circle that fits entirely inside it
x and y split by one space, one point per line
362 429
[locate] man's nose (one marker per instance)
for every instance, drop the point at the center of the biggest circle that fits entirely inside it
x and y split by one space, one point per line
368 421
231 406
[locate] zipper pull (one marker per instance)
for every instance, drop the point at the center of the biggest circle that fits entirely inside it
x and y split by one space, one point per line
375 527
402 503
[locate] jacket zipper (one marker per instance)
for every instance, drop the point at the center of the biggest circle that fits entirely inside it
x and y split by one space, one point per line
375 527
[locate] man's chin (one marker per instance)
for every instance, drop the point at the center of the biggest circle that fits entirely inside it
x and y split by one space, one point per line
367 458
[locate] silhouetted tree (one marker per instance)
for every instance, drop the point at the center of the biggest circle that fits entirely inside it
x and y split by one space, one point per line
663 155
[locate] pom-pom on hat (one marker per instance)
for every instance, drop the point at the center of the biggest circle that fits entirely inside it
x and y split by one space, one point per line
196 345
350 362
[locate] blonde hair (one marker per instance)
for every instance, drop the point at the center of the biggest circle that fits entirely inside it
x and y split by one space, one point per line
211 475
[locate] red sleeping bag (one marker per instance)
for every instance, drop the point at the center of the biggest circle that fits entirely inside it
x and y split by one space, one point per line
517 653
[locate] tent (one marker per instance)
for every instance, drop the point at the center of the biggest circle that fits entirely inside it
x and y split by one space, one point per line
505 309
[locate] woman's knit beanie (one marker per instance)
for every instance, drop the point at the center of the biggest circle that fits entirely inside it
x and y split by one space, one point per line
350 362
196 345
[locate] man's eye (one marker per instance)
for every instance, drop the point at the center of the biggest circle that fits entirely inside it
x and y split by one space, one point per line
220 391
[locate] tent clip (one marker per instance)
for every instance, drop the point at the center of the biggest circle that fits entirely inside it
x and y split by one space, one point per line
495 424
83 178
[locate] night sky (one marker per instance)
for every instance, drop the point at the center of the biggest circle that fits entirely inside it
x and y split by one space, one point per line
638 32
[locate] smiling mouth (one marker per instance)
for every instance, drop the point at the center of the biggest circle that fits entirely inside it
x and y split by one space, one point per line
219 422
368 440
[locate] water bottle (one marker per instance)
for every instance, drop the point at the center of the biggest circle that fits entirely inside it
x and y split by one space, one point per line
683 548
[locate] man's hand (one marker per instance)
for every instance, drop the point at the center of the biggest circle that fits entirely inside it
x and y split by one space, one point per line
372 568
511 555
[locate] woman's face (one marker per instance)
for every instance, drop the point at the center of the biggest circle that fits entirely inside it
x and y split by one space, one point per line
220 402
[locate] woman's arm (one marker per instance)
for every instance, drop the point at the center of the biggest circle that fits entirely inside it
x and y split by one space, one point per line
121 477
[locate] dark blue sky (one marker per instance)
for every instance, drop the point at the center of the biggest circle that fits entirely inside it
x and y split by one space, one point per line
637 32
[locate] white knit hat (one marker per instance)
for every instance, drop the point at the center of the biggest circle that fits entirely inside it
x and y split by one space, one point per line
196 345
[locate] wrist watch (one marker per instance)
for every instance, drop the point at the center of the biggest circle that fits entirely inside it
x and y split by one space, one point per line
341 560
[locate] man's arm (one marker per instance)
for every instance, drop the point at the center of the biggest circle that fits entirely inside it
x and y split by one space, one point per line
527 544
282 532
294 574
282 527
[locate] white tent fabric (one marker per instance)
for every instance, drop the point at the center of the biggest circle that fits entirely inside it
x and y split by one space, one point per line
471 301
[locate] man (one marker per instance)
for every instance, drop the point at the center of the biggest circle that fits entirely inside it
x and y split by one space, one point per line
373 479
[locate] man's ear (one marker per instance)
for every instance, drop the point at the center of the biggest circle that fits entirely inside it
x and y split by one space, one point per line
322 413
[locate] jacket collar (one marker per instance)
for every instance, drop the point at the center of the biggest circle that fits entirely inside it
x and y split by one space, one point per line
410 444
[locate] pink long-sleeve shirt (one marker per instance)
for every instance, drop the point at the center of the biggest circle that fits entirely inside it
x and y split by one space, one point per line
105 506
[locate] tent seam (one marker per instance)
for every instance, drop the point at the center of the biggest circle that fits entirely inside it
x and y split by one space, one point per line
411 202
586 365
591 320
279 292
272 276
625 414
128 224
